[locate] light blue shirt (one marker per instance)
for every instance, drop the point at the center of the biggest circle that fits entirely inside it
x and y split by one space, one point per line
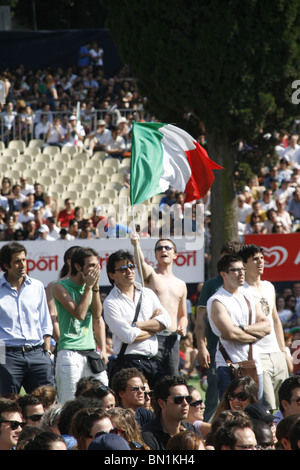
24 315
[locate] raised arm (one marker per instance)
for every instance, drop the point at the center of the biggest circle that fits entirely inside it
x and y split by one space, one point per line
147 270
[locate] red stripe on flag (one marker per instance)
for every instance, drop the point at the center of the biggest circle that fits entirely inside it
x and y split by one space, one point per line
202 176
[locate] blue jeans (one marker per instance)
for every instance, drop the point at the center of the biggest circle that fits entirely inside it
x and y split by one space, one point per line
224 379
28 369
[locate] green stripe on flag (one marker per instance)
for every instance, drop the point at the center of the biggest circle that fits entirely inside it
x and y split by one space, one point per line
146 161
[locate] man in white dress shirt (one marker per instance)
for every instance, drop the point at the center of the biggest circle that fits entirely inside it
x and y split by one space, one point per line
119 311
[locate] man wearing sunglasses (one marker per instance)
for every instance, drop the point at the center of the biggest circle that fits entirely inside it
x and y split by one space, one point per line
171 404
228 313
271 347
119 312
172 293
11 423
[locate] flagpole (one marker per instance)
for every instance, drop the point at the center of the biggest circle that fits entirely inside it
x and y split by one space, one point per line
137 251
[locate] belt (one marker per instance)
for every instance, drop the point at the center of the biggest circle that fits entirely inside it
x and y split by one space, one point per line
141 357
23 348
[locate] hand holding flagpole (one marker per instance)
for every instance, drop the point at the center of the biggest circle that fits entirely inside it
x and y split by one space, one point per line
135 241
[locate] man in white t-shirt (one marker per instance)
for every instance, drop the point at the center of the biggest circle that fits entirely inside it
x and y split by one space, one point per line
228 314
271 347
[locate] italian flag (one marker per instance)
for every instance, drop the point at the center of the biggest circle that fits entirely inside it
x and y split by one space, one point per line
163 155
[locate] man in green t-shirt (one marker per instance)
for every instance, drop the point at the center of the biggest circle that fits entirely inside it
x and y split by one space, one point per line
79 310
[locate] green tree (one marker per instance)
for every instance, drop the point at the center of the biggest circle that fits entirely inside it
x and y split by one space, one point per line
228 64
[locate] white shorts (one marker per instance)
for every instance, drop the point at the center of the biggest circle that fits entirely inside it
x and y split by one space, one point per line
70 367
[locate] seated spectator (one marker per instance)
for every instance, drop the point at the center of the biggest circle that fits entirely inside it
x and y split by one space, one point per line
271 219
171 405
196 412
26 214
54 134
30 230
89 423
124 421
283 432
67 214
236 434
11 423
255 225
9 232
53 229
32 409
114 230
284 214
285 191
8 118
267 202
294 205
76 134
73 230
116 145
43 232
284 172
256 209
292 152
97 216
38 193
289 398
185 440
239 394
17 197
42 128
50 206
99 139
25 187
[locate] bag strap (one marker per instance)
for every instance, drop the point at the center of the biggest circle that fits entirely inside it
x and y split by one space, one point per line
137 311
223 350
250 354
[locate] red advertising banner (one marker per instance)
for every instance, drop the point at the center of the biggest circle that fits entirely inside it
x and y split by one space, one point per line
282 255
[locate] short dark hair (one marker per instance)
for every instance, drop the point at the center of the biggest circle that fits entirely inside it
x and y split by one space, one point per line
286 389
114 258
7 251
79 256
226 260
8 406
165 240
162 389
247 251
27 400
231 247
225 435
295 436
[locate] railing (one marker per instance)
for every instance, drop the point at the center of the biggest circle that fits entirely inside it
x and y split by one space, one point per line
22 126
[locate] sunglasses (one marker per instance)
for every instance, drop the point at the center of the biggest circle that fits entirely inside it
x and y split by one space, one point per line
178 400
124 268
112 431
241 396
196 403
236 270
35 417
137 389
166 247
148 394
134 445
14 424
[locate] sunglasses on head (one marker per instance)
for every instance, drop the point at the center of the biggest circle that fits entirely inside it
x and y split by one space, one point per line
124 268
178 400
14 424
161 247
242 396
196 403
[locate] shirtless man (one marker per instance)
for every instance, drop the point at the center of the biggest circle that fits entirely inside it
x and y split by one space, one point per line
172 293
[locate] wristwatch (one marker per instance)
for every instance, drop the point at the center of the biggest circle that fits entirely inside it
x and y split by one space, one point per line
242 327
133 324
48 351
